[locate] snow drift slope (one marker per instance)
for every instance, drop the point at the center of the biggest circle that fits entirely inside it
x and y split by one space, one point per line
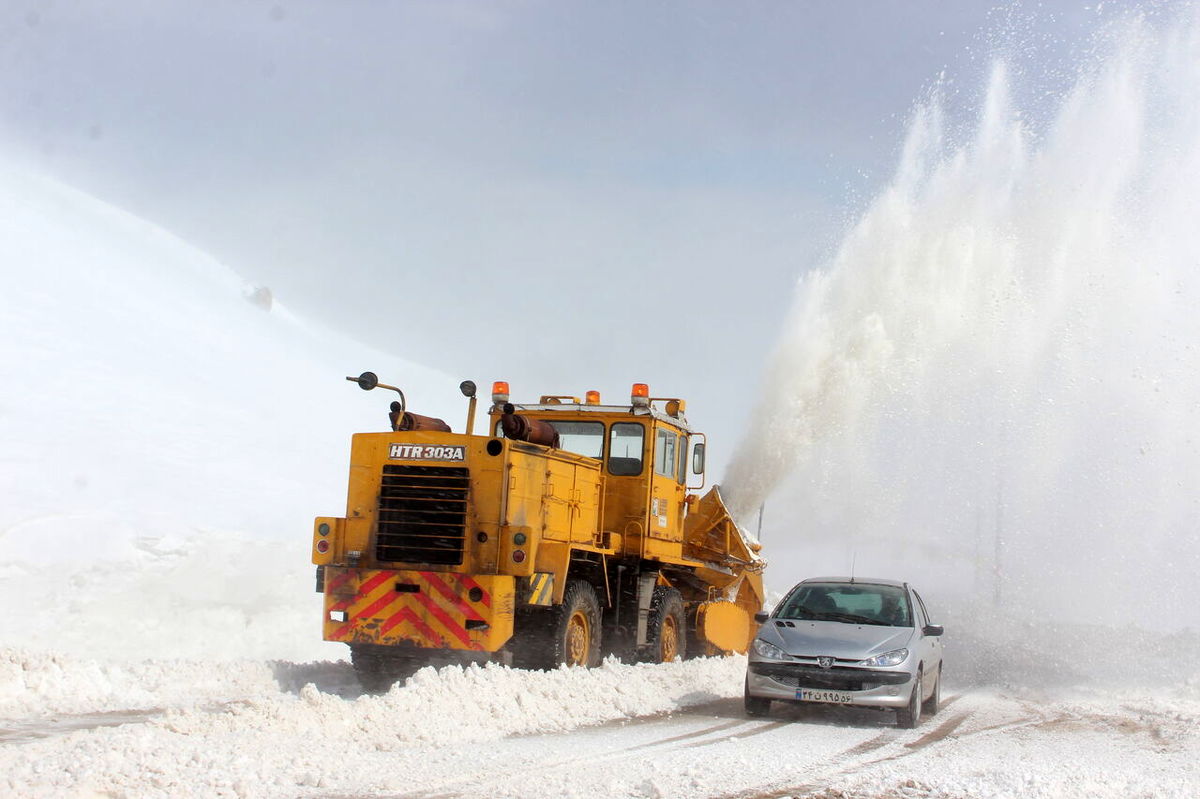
145 405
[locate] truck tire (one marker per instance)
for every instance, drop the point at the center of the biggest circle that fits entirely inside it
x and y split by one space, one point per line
666 629
566 634
377 669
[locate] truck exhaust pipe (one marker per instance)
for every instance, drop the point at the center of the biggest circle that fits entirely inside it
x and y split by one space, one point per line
520 428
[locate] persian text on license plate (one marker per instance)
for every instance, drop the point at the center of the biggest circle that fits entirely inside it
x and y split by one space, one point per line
809 695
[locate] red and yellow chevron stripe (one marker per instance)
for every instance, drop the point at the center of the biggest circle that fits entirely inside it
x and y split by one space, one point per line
433 610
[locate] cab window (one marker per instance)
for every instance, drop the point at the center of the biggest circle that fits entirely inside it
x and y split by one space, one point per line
625 443
665 458
582 438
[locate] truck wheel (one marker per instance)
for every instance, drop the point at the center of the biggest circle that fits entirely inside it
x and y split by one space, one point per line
377 669
666 629
566 634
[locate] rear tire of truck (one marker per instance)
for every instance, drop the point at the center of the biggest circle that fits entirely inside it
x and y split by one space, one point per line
377 670
566 634
666 629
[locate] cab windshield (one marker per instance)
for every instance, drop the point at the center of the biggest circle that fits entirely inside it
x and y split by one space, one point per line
852 603
582 438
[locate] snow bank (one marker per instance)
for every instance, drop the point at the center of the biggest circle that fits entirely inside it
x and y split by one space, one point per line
41 684
279 739
458 704
168 438
141 384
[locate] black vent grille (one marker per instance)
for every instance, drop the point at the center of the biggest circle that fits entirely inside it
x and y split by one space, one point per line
838 678
422 514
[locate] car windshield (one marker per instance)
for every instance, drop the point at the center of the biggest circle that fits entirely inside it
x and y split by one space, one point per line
853 603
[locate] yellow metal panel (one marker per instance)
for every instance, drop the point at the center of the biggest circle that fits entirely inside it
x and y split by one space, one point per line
541 588
508 546
725 625
335 533
587 506
556 496
555 557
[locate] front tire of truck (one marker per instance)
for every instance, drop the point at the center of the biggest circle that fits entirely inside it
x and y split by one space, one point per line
666 629
377 669
566 634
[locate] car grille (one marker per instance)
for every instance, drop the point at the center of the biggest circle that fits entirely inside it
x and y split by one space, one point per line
422 514
838 678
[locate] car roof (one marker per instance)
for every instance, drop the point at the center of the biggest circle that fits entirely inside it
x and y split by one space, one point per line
855 580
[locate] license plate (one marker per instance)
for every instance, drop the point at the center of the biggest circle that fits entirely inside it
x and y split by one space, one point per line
809 695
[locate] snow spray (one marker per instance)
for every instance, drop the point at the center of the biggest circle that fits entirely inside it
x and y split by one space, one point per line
992 389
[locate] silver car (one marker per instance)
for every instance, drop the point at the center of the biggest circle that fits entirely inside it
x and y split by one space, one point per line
848 641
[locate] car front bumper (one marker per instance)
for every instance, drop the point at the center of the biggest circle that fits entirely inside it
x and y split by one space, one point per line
865 687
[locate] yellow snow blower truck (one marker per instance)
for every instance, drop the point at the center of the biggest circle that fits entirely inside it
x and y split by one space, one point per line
566 532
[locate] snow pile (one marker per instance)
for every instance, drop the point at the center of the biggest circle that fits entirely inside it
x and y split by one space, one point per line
38 684
454 702
462 704
275 742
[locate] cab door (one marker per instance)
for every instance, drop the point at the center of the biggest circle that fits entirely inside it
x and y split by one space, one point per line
667 489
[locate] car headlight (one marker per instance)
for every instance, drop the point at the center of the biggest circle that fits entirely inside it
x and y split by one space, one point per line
768 650
893 658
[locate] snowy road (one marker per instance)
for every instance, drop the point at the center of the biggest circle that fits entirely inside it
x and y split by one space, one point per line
622 731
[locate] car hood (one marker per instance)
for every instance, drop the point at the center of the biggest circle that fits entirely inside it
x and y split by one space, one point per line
836 639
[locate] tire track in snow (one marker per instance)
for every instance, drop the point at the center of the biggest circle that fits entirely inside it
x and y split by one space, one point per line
27 731
475 786
944 732
23 731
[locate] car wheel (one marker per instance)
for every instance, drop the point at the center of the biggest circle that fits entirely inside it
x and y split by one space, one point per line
930 706
909 716
756 706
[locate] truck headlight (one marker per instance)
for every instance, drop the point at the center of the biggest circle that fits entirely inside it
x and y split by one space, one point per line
768 650
893 658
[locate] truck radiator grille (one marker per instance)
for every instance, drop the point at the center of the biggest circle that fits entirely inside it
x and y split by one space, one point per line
422 514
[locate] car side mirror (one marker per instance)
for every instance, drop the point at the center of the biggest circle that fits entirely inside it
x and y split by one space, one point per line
761 616
933 629
698 459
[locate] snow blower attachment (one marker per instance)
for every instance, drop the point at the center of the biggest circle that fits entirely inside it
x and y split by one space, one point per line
565 532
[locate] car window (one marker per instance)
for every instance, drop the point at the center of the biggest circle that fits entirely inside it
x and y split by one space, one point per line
921 609
853 603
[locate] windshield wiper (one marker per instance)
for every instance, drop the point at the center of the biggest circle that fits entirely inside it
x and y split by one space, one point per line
852 618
